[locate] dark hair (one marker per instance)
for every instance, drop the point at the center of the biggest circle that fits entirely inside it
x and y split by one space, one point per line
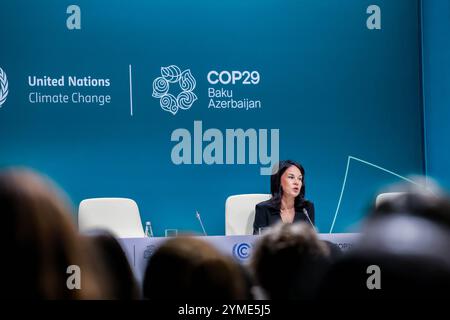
113 262
43 240
421 203
275 183
412 266
289 261
407 237
190 268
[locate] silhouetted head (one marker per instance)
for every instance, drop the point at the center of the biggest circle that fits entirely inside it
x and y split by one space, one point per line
431 204
190 268
405 256
43 240
113 262
289 261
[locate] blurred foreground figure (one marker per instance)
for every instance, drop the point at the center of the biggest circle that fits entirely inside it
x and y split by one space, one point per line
113 263
407 239
290 261
41 241
189 268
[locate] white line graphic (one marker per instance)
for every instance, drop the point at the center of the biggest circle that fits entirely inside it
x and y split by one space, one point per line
345 181
131 92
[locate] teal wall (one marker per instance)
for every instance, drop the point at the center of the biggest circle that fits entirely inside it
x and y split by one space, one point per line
436 77
332 87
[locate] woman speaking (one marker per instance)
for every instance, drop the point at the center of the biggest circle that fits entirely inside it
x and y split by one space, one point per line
288 203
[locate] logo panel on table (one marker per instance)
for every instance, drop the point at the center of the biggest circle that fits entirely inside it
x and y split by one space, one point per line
242 250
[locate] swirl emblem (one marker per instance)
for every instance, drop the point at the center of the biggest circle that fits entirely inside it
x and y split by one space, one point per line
160 87
173 75
185 99
4 87
187 81
241 251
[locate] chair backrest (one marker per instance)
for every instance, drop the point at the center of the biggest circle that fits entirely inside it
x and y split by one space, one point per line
120 216
382 197
240 213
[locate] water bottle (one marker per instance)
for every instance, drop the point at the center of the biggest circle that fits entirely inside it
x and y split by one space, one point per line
148 229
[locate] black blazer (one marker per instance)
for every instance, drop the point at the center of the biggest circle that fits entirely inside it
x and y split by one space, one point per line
267 214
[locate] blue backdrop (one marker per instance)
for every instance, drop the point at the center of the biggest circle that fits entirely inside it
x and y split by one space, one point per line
333 88
436 74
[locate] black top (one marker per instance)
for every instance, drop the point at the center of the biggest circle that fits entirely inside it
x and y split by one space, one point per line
267 214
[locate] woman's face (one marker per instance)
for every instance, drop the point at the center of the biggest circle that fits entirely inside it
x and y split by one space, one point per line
291 181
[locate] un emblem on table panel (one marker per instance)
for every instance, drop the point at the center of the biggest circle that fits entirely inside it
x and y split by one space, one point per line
3 87
174 89
242 250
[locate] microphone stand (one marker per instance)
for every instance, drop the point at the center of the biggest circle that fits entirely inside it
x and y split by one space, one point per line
310 222
201 223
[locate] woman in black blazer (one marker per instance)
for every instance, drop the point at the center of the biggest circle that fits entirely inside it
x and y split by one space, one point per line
288 203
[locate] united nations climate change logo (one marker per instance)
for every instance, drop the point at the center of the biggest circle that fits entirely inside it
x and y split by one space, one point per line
170 77
3 87
241 250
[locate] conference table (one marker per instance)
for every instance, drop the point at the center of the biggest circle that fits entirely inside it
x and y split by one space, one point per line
139 250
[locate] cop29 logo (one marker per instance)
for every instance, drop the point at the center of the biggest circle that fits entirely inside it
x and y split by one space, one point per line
3 87
172 79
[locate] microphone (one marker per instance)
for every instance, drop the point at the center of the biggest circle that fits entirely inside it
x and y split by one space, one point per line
201 223
307 216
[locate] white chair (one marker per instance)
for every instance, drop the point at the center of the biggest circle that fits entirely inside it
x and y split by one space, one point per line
120 216
382 197
240 213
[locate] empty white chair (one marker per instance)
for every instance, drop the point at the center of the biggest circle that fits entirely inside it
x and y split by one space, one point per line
382 197
120 216
240 213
